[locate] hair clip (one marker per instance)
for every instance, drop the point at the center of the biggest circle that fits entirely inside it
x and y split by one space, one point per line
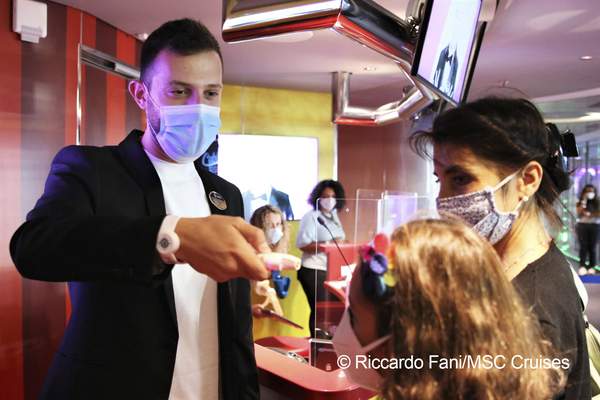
566 141
569 144
376 274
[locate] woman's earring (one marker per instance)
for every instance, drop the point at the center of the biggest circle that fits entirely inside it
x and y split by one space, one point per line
525 199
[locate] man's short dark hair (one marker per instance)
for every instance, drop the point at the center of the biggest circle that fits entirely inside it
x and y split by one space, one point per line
183 37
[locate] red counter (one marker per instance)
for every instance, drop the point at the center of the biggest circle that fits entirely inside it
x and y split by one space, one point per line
290 379
335 259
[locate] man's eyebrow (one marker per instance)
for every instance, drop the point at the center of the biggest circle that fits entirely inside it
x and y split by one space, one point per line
181 83
175 82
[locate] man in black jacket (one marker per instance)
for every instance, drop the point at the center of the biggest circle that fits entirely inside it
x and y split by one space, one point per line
160 299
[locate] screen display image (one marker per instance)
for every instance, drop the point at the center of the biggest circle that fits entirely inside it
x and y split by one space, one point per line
276 170
445 50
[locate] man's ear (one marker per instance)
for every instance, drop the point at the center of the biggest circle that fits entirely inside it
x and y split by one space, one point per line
531 179
137 90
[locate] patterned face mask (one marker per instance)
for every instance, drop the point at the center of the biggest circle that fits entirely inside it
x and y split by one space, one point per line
479 210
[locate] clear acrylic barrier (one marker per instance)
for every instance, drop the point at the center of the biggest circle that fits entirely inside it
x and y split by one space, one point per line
356 223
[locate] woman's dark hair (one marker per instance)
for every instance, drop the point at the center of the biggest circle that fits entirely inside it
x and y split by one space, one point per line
509 133
337 187
183 37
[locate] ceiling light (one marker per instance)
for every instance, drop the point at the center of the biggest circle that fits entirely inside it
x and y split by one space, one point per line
585 58
369 69
141 36
588 117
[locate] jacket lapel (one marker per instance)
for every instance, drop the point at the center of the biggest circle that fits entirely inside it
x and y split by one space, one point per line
139 166
214 194
225 290
217 201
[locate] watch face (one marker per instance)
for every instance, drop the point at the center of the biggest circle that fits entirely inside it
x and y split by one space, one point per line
164 243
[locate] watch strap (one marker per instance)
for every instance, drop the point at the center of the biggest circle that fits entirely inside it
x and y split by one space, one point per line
167 242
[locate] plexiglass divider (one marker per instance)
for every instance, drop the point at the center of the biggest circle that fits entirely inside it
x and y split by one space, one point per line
339 235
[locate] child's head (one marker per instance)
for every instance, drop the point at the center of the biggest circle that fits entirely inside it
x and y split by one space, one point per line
450 298
272 221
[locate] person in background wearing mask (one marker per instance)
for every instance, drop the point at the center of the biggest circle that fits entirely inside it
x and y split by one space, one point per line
326 198
441 293
588 209
500 170
153 246
271 221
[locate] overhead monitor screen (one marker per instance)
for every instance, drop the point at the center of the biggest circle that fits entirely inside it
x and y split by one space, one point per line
447 39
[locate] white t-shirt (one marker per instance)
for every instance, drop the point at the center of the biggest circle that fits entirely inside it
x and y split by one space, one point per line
196 374
311 231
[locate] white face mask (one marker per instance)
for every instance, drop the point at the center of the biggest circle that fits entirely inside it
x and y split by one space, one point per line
346 343
186 131
590 195
479 210
327 203
274 235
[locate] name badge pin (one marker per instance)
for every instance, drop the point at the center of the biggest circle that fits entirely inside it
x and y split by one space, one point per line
217 200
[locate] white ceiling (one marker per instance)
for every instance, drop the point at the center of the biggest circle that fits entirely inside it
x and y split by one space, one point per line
531 45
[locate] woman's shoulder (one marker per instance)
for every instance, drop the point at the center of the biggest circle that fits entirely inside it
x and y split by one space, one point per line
547 285
311 214
309 217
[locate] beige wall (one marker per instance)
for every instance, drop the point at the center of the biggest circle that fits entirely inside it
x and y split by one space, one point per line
281 112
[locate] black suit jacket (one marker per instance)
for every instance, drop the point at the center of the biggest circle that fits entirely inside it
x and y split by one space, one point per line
96 226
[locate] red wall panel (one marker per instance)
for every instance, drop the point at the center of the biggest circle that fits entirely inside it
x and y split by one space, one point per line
127 51
88 38
73 28
43 105
104 92
72 37
115 95
38 115
11 328
370 158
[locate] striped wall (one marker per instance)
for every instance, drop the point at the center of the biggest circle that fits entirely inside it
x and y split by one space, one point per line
38 116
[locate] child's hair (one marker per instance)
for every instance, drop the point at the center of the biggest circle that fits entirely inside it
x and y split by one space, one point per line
452 299
259 215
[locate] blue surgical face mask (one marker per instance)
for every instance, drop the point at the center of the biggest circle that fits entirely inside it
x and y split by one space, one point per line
186 131
274 235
